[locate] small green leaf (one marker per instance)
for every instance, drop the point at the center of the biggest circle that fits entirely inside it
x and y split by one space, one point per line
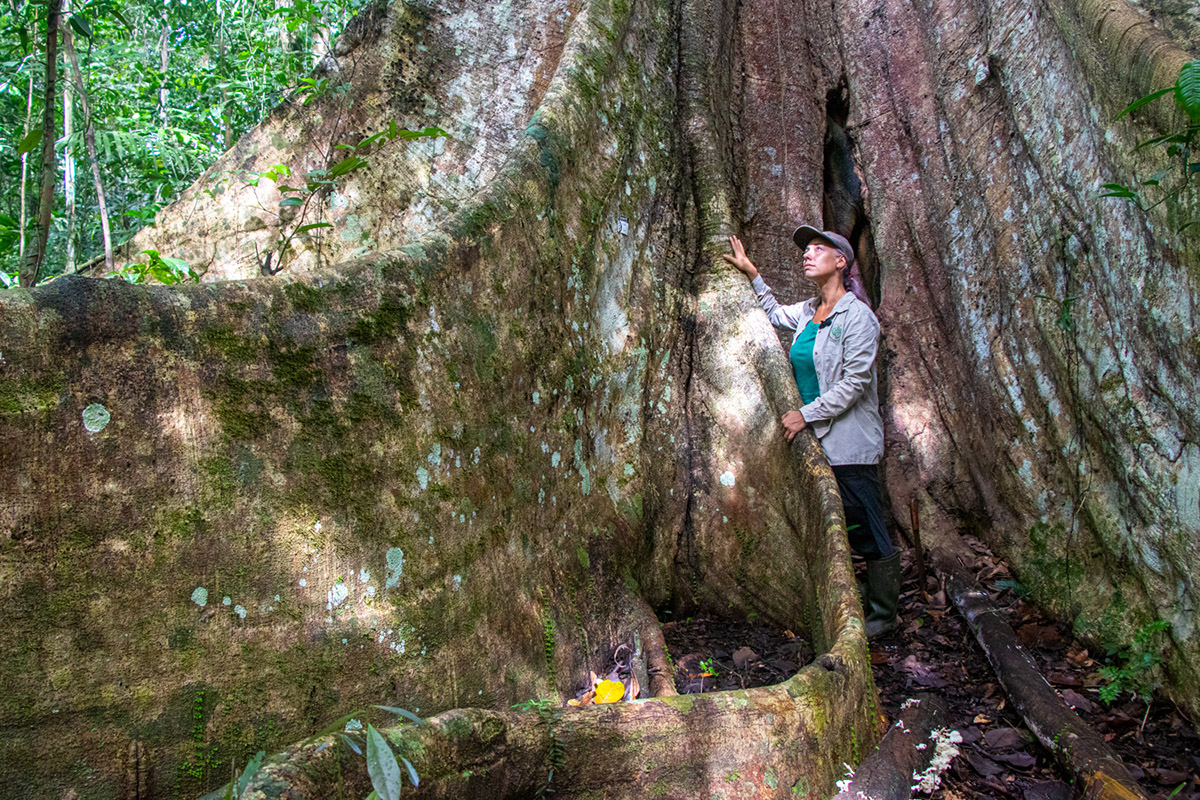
306 228
412 772
1187 89
1141 101
350 743
31 140
410 716
382 766
346 165
421 134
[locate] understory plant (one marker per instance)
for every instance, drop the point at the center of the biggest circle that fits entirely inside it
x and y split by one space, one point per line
1174 184
1133 667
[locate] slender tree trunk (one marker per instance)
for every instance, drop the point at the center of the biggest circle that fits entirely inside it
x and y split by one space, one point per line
32 265
25 156
68 113
69 176
89 137
163 64
226 114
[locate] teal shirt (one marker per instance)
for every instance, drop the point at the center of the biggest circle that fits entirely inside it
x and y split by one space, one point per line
803 367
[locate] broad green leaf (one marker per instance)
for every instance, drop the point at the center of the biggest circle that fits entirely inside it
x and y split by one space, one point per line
248 773
290 202
382 766
31 140
80 24
119 17
1141 101
1187 89
346 165
313 226
403 712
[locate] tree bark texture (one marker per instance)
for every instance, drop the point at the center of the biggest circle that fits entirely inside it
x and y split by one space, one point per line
904 752
452 473
1038 344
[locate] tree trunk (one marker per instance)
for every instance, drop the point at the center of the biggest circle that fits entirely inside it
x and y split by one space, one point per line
31 266
25 156
69 177
530 400
226 113
164 66
89 138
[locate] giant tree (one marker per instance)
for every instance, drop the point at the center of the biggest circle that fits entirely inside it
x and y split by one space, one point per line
501 398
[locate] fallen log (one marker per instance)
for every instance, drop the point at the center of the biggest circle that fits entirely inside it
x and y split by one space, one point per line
904 754
1074 744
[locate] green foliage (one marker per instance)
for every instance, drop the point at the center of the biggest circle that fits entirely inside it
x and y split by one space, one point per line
297 201
709 665
551 716
1175 184
228 65
236 789
163 269
1134 667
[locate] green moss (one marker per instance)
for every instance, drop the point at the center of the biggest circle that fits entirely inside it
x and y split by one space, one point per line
683 703
388 320
295 369
483 349
243 407
231 345
304 297
29 395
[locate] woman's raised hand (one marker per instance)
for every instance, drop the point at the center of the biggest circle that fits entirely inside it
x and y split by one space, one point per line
739 259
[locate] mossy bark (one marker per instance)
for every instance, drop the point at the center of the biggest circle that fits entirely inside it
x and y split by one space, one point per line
440 475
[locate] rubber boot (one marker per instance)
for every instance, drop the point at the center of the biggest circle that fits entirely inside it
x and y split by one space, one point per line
883 594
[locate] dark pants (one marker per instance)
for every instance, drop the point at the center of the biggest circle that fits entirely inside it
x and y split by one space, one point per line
861 498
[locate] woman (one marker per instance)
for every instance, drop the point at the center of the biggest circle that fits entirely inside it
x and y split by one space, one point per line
833 361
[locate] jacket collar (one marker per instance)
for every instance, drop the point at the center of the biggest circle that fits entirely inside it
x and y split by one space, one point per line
844 304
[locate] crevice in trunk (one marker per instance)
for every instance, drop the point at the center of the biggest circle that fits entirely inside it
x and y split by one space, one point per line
844 205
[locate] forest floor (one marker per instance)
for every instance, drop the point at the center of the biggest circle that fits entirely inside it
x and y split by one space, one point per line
934 651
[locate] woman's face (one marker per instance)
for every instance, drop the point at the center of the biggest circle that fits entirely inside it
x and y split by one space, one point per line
822 261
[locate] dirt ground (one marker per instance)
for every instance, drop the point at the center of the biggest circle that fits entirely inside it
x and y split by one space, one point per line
933 651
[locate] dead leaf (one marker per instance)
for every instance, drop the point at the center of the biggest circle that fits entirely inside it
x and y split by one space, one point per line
921 673
980 719
1021 760
1076 700
1001 739
744 656
1042 637
1048 790
983 765
1062 678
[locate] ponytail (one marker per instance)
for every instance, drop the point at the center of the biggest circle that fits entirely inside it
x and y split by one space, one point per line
852 282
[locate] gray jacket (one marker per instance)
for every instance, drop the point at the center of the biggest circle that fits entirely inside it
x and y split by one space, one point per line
845 417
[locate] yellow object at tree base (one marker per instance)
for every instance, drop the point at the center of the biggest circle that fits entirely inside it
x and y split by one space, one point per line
609 691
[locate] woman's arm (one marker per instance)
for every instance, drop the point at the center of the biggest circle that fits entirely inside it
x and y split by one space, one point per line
780 316
859 348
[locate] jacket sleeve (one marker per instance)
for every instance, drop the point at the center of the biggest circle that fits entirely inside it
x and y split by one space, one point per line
859 347
781 316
